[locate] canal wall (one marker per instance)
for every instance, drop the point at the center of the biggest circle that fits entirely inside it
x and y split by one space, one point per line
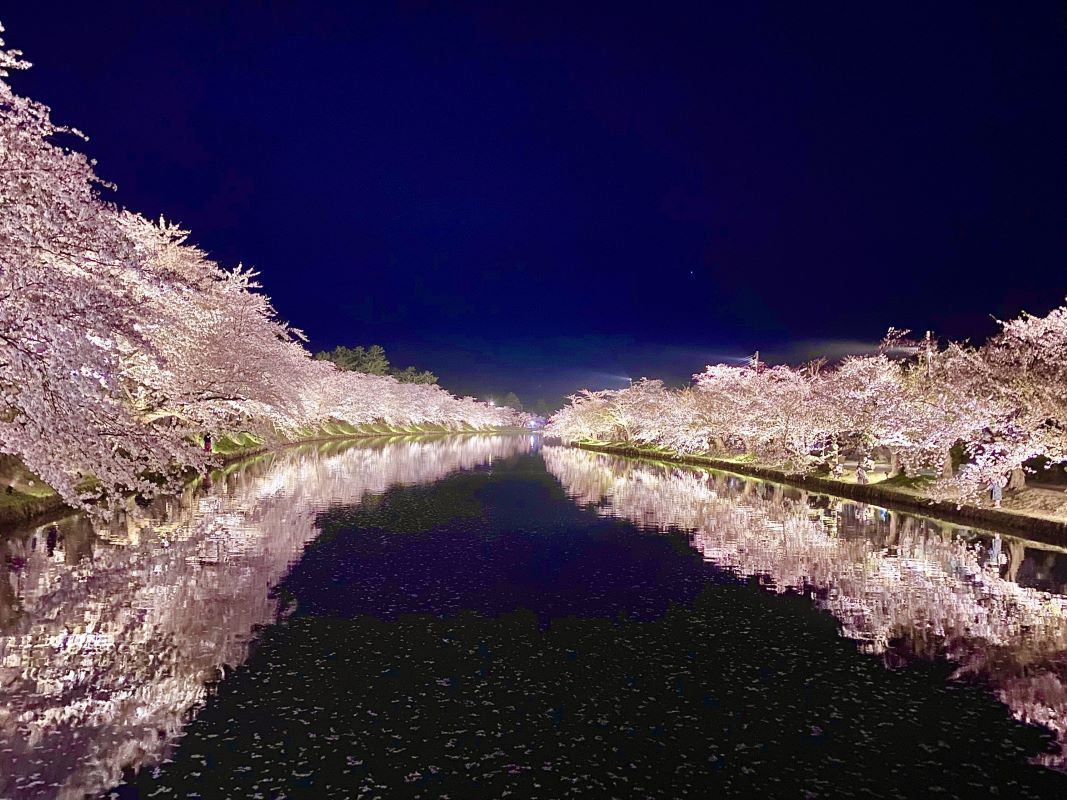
1026 525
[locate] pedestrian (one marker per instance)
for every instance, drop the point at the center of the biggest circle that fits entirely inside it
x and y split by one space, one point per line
996 491
861 475
207 442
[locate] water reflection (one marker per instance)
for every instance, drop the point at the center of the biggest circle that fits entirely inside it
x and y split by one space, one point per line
109 633
902 586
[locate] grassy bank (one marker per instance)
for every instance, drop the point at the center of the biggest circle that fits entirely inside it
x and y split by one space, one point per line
233 446
18 508
901 492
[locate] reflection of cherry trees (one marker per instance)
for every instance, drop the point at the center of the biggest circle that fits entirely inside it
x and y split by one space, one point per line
109 635
898 584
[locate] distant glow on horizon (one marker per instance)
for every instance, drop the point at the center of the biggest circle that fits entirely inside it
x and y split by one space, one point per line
728 360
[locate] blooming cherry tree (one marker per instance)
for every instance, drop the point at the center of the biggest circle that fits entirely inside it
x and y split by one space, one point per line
120 343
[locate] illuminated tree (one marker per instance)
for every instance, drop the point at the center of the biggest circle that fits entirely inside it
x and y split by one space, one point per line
120 343
1000 405
66 267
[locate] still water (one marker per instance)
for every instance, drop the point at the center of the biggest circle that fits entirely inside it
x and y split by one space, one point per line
480 616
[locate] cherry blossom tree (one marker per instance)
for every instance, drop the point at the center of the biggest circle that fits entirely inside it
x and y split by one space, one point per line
996 407
120 343
1024 368
725 397
65 266
586 416
865 399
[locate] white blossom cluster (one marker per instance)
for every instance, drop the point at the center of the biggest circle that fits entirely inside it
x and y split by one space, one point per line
120 343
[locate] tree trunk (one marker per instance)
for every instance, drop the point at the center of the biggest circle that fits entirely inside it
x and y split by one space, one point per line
1017 479
946 467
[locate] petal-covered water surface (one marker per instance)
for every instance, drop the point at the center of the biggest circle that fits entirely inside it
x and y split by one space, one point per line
478 616
901 585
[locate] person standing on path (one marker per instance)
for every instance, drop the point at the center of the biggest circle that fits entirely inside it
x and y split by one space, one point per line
207 442
997 492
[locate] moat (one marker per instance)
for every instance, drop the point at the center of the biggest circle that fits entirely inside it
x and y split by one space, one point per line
484 616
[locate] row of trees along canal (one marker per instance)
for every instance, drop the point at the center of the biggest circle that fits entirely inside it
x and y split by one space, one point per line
972 418
120 343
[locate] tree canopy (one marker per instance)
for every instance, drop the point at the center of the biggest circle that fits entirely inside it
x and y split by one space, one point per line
373 361
121 343
1003 404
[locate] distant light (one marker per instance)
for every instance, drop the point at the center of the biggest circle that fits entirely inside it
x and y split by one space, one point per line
492 402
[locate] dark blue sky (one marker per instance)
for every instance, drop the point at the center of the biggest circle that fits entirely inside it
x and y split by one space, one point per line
536 196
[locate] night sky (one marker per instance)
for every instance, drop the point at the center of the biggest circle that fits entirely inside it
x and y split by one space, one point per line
535 196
